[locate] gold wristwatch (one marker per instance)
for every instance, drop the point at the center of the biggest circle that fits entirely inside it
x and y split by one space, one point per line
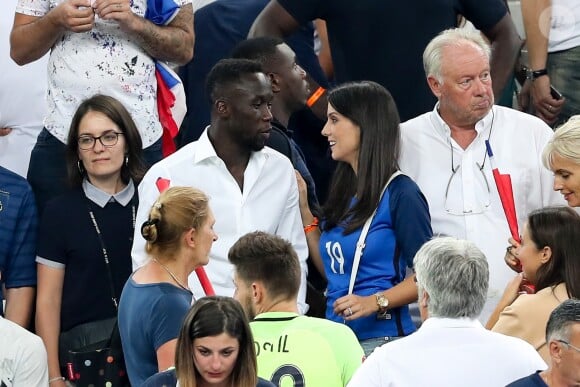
382 302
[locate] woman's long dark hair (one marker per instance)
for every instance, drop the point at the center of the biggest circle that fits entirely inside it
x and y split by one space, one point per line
372 108
134 168
212 316
559 229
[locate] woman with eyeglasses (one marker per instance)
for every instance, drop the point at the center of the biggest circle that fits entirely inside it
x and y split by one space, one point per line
363 135
214 348
549 255
85 235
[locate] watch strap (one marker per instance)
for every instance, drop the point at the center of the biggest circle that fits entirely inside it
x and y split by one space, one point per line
535 74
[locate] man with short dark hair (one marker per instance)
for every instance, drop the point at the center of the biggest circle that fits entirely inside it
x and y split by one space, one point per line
451 348
563 336
309 350
290 93
251 186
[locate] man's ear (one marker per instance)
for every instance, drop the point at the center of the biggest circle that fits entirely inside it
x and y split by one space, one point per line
434 85
221 107
555 349
257 292
424 301
275 81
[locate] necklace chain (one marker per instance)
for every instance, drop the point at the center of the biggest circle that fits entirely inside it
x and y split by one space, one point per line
172 275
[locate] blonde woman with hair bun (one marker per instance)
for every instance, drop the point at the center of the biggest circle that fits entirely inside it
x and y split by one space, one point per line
179 234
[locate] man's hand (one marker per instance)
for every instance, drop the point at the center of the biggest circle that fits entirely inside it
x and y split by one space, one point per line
117 10
74 15
546 107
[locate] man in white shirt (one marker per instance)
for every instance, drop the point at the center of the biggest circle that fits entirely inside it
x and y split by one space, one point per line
22 357
444 152
251 187
451 348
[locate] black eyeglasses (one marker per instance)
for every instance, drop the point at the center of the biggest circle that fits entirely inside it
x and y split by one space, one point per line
569 345
107 139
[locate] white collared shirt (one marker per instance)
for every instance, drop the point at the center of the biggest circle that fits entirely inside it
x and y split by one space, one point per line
517 140
268 202
447 353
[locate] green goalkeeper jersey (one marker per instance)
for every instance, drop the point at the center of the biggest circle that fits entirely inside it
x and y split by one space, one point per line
295 351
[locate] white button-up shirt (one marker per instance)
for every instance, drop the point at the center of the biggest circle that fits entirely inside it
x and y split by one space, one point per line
268 202
470 211
447 353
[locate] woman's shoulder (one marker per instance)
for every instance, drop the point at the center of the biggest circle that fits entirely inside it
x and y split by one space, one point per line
264 383
403 183
544 301
162 379
65 200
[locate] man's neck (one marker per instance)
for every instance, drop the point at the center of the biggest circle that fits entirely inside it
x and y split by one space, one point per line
553 378
288 306
281 114
234 156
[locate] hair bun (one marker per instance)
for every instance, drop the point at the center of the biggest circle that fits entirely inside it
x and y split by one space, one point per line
149 230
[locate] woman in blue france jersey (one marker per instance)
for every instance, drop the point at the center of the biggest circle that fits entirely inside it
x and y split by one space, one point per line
363 135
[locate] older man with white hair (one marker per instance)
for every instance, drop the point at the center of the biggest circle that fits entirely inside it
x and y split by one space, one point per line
444 152
451 348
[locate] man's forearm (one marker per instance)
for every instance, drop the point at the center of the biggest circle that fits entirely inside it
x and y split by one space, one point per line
505 47
537 15
172 43
32 37
19 302
275 21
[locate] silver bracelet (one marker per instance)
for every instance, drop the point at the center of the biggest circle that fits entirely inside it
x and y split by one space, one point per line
55 379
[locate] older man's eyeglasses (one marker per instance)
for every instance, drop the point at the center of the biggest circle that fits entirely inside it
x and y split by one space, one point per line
107 139
485 198
473 211
569 345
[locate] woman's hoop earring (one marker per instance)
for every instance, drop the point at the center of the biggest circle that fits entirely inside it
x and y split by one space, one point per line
80 167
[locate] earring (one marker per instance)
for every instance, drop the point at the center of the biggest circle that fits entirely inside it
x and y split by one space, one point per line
126 160
80 167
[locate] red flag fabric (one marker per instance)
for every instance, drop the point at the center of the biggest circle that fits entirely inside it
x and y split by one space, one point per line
165 101
506 195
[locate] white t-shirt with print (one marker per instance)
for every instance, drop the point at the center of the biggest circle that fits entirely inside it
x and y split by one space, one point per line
104 60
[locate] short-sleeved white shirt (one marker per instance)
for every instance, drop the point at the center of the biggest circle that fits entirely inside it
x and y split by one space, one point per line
104 60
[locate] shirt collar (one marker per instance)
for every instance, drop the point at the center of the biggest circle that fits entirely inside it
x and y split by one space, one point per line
275 316
443 322
443 129
101 198
205 150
